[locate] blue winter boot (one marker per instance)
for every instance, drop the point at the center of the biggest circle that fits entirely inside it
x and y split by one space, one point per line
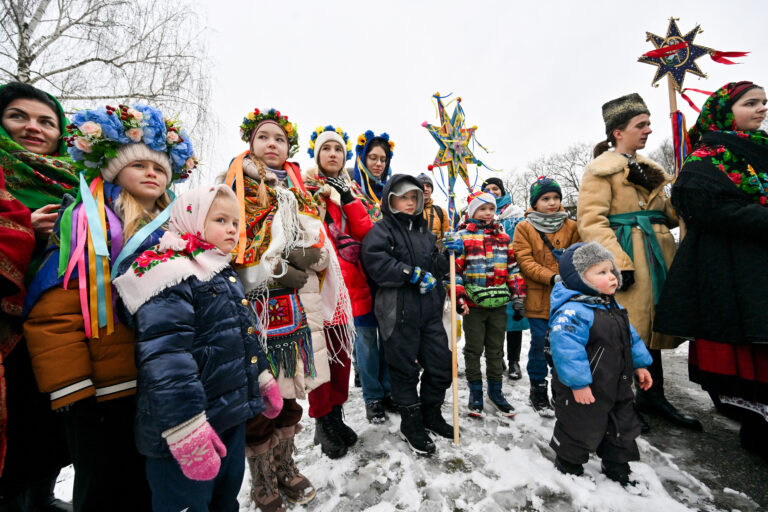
475 398
497 398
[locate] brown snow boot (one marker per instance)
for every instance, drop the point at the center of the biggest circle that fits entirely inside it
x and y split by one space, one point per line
264 486
295 487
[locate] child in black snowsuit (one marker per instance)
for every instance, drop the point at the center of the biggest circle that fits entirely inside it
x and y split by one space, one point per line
595 350
401 256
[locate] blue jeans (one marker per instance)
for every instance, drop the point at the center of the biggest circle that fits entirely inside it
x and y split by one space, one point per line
174 492
537 364
374 375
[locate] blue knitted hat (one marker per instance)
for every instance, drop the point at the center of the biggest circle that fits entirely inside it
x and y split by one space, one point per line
543 185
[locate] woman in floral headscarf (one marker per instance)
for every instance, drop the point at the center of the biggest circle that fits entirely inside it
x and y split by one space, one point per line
715 290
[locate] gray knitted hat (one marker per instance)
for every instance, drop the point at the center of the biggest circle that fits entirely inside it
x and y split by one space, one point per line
577 259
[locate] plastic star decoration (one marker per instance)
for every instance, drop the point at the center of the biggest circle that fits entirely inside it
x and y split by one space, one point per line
676 63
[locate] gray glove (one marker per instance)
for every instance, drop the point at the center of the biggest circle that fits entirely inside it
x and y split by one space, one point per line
304 257
293 278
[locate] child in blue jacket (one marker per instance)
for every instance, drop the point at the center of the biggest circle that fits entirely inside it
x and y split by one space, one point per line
595 351
201 369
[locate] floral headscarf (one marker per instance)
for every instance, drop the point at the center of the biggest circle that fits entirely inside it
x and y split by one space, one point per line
719 142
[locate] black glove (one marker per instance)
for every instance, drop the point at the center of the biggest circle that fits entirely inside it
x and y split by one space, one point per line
627 279
518 305
304 257
342 187
293 278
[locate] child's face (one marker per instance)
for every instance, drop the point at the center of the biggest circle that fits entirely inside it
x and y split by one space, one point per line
601 276
145 180
405 203
270 145
331 157
376 161
222 223
485 212
548 203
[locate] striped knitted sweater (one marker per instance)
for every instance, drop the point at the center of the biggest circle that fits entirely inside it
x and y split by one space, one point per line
487 259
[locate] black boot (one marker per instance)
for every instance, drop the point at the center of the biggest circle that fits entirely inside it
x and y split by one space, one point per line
389 404
514 342
39 497
617 471
374 411
413 432
653 401
327 436
346 434
568 468
434 421
540 399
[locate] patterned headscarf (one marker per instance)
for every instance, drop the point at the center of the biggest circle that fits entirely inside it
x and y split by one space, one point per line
718 139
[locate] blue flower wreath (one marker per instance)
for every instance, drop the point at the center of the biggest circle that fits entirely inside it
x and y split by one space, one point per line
329 128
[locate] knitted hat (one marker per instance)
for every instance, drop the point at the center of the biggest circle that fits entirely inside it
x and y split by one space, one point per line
478 199
577 259
425 180
541 186
132 153
321 135
497 182
619 111
401 188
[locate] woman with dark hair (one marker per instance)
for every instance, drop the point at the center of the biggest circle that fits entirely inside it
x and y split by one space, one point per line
37 172
715 289
623 206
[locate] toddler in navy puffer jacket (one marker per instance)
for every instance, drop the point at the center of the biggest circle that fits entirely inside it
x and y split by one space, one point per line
201 369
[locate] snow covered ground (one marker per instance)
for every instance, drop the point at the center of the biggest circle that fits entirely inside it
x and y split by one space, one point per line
500 465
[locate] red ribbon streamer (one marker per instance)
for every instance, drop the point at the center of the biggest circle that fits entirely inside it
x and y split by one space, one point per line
666 51
690 102
721 56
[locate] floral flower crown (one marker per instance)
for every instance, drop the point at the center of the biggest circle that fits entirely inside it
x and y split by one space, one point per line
363 139
252 120
329 128
97 134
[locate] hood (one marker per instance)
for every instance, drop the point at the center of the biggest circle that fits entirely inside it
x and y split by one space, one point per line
393 183
511 212
559 296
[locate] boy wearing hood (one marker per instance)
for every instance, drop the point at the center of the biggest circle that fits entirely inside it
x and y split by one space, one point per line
402 257
595 351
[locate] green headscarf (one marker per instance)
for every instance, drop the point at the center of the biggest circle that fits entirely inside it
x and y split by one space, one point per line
37 180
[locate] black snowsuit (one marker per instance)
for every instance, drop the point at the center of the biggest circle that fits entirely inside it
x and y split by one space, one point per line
610 425
410 324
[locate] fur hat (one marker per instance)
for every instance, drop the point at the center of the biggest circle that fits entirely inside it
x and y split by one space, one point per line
131 153
497 182
401 188
577 259
478 199
619 111
425 180
541 186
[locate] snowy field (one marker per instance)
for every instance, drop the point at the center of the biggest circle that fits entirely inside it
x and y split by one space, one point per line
500 465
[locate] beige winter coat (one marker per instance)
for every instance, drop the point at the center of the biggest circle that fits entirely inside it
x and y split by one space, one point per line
298 386
606 191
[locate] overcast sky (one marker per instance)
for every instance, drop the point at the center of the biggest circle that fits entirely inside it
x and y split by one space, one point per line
532 75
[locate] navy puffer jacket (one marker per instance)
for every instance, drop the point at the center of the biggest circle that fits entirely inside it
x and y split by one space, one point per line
196 351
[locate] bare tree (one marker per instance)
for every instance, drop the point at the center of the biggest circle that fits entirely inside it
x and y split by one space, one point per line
665 155
89 51
518 184
566 168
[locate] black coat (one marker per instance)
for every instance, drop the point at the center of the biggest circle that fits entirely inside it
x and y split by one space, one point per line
717 286
391 250
195 352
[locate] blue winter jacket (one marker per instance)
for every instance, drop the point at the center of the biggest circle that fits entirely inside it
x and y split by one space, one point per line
569 326
196 351
509 224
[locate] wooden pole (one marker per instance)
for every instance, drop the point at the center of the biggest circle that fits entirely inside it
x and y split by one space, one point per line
454 350
672 110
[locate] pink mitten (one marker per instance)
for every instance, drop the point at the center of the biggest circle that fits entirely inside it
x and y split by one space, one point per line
196 447
270 393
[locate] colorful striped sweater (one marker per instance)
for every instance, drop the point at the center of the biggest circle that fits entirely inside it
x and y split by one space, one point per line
487 259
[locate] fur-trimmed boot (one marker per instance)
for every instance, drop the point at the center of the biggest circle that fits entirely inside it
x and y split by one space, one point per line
295 487
264 485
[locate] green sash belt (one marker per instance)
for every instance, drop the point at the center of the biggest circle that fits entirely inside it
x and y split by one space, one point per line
623 223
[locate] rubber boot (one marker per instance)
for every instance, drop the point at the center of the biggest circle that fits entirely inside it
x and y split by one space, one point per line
413 432
497 398
264 485
475 405
295 487
653 401
434 421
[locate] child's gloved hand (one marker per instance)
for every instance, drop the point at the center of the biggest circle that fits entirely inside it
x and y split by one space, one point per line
644 379
427 282
584 396
270 393
197 448
627 279
518 305
461 306
453 243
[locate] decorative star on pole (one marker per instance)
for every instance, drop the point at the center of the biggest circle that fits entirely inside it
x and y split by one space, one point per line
676 54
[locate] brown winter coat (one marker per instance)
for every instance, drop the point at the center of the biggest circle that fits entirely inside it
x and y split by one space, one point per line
605 190
68 365
430 213
538 264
